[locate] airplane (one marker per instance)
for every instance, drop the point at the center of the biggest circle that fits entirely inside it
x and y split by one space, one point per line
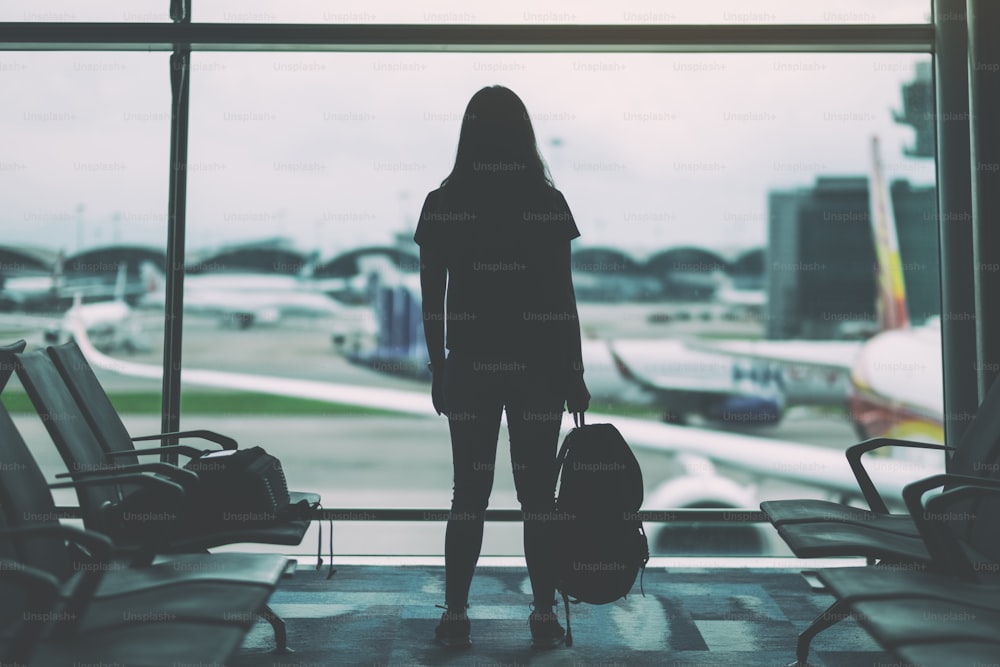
242 300
112 325
56 290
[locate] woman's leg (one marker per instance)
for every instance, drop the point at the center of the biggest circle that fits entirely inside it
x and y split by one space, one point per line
534 416
474 410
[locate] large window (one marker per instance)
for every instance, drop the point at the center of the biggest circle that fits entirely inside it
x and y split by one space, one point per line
86 145
721 197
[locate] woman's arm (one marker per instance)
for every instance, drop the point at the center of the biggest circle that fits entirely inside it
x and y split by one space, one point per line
571 345
433 280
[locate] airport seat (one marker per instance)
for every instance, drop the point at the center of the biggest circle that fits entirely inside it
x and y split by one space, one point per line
897 589
108 509
946 653
818 528
29 640
7 369
100 414
921 629
958 528
85 451
103 419
102 595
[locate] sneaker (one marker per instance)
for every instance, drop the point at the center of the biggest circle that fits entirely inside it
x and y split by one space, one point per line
453 630
545 629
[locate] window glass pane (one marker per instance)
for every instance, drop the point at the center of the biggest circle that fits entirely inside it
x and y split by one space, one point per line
563 11
722 199
113 11
83 180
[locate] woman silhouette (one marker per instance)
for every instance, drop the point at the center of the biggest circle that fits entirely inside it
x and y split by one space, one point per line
497 235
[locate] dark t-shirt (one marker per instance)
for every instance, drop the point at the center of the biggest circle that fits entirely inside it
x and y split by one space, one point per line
510 291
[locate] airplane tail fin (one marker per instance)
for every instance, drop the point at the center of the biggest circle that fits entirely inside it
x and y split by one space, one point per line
153 280
892 312
121 280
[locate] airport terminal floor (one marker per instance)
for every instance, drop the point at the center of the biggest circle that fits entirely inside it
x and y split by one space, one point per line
380 615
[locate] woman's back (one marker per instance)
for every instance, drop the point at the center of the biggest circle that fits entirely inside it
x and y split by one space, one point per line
507 257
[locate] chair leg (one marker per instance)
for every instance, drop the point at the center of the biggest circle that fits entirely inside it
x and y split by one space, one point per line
834 614
280 634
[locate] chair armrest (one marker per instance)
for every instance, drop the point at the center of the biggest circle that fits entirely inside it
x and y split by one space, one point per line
98 544
33 578
185 450
941 542
854 453
222 440
78 594
185 478
173 492
42 590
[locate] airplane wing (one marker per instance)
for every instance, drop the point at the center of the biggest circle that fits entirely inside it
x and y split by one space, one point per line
671 365
766 457
820 354
687 381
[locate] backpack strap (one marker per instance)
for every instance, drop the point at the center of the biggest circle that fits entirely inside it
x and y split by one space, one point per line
319 542
569 629
561 456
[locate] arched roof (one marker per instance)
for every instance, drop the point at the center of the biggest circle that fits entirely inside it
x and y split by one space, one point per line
105 260
750 263
254 259
19 259
685 259
345 265
604 259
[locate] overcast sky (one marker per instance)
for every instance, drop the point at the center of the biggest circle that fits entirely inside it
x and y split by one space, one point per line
339 149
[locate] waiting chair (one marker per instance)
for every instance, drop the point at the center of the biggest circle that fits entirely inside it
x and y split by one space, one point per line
97 606
30 643
816 528
111 509
100 413
85 451
903 606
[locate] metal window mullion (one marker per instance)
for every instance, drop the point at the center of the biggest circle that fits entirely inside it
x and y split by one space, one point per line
180 85
984 136
897 38
951 112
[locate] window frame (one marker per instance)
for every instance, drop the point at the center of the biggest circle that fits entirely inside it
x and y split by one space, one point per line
940 39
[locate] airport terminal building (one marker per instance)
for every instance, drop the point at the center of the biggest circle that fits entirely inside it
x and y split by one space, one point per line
821 263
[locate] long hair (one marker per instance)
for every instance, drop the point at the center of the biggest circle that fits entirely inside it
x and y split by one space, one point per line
496 146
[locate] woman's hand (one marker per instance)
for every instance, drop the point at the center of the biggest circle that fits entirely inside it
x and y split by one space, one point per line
437 390
577 396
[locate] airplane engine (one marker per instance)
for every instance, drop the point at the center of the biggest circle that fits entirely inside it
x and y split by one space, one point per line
701 488
743 411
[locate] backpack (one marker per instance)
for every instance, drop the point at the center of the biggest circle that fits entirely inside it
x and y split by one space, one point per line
237 486
600 546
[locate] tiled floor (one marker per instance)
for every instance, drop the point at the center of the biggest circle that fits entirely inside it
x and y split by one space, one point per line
382 615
